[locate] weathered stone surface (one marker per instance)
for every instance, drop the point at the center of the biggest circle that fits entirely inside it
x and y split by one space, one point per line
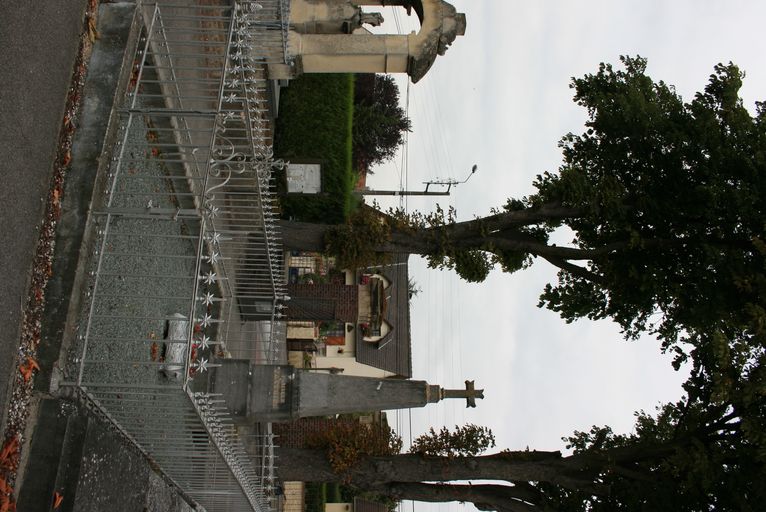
328 36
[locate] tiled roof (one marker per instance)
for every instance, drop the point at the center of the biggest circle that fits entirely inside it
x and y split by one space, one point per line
393 352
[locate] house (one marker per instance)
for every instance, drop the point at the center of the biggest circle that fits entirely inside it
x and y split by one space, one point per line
355 322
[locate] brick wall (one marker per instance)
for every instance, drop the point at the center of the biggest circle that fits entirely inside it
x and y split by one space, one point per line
294 434
318 301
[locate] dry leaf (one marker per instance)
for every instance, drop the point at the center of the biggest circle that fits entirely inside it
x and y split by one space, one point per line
155 351
33 364
4 487
7 504
67 158
92 32
27 370
10 453
57 500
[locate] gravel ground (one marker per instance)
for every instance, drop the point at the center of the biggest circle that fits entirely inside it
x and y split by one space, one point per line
115 477
146 272
145 276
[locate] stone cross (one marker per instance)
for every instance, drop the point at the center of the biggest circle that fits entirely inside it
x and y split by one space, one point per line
470 393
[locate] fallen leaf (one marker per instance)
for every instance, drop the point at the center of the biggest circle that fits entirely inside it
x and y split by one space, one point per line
155 152
92 32
27 370
133 76
33 364
7 504
57 500
10 453
56 196
155 351
67 158
4 487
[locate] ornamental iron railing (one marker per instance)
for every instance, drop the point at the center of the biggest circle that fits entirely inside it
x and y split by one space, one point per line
187 264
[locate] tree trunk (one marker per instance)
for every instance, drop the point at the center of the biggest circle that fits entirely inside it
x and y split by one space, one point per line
304 236
498 232
312 466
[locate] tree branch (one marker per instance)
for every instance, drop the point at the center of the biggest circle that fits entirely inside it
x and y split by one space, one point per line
501 498
575 270
491 223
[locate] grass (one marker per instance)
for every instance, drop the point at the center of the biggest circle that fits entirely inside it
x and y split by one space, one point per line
314 123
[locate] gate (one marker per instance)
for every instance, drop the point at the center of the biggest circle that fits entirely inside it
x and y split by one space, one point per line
188 267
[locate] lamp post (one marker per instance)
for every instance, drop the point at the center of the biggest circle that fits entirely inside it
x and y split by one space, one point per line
449 183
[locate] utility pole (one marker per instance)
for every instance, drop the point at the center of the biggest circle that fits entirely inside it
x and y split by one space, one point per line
449 183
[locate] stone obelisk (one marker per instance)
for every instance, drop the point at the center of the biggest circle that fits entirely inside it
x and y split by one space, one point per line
281 393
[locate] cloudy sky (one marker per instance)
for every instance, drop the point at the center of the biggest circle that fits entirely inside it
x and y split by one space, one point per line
500 98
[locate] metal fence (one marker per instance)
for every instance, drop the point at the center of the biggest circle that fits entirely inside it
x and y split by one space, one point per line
187 266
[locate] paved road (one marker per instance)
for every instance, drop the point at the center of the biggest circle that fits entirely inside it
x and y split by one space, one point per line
39 42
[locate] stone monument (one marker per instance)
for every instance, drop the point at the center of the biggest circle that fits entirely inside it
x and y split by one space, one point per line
283 393
328 36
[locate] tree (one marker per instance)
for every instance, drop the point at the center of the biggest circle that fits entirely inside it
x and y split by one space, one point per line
706 452
664 466
379 121
467 440
666 199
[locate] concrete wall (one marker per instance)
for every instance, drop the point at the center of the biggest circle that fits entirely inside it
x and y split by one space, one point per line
351 366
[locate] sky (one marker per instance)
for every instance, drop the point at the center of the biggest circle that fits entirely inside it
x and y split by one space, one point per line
500 98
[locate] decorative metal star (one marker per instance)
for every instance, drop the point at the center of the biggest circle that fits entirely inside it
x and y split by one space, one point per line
201 365
204 343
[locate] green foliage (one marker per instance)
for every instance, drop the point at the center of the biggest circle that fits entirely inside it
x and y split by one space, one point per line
678 189
466 441
379 121
348 442
334 494
315 497
354 244
315 122
666 200
473 266
706 452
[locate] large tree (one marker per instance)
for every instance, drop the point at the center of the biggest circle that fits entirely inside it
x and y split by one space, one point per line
706 452
379 122
666 201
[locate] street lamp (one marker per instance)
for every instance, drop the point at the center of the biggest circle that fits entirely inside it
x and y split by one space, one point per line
452 182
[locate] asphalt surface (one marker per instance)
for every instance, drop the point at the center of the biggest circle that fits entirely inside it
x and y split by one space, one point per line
39 42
